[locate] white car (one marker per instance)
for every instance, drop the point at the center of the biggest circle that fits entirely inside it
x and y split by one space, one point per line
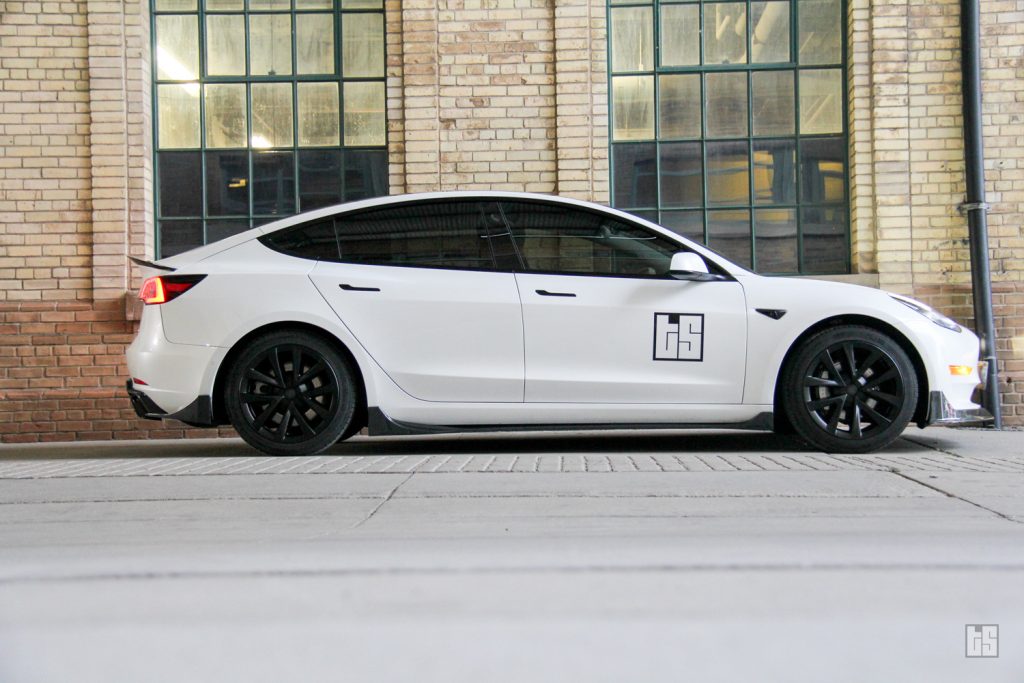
496 311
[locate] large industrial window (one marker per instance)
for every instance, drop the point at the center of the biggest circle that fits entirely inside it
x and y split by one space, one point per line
728 126
262 109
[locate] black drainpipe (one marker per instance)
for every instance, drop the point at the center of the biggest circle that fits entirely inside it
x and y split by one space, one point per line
975 206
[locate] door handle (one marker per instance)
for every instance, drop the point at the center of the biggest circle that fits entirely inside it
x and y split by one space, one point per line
350 288
544 292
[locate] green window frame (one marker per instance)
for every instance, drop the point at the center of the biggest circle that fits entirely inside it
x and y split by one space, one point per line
728 124
263 109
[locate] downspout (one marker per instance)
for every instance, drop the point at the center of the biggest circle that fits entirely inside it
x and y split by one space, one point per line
975 206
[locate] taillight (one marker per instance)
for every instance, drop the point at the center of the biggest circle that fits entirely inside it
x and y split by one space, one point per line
164 288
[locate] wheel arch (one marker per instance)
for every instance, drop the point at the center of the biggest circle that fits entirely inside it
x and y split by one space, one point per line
920 410
220 412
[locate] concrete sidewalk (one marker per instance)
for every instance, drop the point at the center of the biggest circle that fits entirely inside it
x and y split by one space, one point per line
552 557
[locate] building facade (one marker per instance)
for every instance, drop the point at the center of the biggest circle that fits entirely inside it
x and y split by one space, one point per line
811 137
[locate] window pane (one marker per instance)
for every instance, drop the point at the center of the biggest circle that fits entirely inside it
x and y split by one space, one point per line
365 124
681 174
270 44
821 101
679 106
227 183
180 191
689 224
314 4
728 172
725 33
314 43
175 5
319 115
633 107
438 235
319 178
271 115
635 176
362 45
680 35
221 5
178 112
726 104
632 39
820 25
177 47
225 45
769 32
774 172
273 183
729 234
773 102
179 236
225 115
311 240
270 4
218 230
366 174
775 241
362 4
826 242
823 170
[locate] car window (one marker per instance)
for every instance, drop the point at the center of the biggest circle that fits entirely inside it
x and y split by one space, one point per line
314 240
429 235
560 239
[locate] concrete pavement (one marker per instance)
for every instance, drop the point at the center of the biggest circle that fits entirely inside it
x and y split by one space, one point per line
607 557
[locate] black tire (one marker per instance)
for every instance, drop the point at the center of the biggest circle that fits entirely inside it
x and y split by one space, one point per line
849 389
291 393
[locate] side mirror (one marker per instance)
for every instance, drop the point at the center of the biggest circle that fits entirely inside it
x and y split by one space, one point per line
687 265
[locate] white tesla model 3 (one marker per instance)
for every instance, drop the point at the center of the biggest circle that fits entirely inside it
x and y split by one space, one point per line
493 311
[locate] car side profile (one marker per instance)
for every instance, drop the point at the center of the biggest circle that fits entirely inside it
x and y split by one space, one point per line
499 311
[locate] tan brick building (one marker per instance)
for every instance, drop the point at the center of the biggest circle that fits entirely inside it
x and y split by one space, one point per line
144 127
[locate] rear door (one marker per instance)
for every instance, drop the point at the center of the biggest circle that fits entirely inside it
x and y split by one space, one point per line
605 324
419 287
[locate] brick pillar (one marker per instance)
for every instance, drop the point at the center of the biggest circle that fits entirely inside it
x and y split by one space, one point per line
421 123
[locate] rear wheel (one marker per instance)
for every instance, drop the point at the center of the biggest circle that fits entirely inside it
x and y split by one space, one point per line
290 393
850 389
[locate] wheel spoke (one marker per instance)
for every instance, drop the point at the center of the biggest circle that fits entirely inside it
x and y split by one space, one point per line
275 362
818 405
311 373
851 361
882 396
833 424
855 421
296 364
876 417
830 366
260 398
316 407
866 365
875 381
813 381
300 417
282 429
267 412
260 377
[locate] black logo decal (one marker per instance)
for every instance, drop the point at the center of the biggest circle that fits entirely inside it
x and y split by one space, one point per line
679 336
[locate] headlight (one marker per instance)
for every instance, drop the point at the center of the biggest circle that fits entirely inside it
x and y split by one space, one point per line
928 312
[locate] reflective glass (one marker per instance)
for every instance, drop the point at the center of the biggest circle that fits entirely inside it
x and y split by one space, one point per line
366 173
769 32
270 44
821 34
314 43
365 123
632 35
773 103
319 115
222 5
689 224
225 45
177 236
175 5
225 115
823 170
314 4
729 234
826 242
726 95
681 174
821 101
728 170
679 107
178 115
362 45
179 183
775 241
775 171
633 107
272 115
261 5
680 35
725 33
177 47
273 183
218 230
227 183
635 175
362 4
319 178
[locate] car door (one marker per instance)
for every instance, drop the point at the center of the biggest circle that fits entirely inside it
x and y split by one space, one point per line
604 323
417 285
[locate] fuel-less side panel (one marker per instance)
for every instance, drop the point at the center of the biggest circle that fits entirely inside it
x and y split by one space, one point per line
441 335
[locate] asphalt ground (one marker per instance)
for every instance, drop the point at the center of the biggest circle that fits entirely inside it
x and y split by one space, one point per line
564 557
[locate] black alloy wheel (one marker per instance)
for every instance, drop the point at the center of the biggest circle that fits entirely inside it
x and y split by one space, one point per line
850 389
291 393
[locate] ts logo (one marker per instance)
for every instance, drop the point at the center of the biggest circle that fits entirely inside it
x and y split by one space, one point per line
679 336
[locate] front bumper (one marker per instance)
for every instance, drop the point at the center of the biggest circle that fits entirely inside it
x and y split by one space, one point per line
199 413
942 412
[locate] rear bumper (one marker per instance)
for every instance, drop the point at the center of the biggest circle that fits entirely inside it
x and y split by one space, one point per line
942 412
199 413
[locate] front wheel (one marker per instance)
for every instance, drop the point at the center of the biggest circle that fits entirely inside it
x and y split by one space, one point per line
849 389
290 393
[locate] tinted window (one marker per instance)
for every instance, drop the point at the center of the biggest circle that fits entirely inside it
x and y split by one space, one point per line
310 240
556 239
430 235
